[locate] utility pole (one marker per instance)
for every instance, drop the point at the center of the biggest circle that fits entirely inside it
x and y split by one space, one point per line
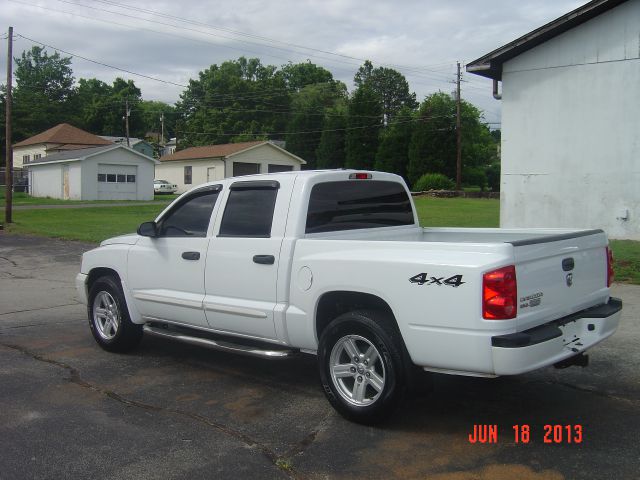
458 134
162 128
8 172
126 119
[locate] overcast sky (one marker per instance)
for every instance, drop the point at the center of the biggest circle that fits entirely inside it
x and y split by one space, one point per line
174 40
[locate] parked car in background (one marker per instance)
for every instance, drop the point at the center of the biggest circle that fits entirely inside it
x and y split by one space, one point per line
162 186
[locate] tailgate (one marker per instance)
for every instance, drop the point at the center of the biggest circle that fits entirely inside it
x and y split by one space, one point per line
559 275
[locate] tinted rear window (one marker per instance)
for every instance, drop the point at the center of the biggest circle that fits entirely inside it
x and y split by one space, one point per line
355 204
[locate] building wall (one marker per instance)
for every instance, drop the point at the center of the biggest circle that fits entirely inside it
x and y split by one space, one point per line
46 181
571 129
31 150
144 148
263 155
144 175
173 171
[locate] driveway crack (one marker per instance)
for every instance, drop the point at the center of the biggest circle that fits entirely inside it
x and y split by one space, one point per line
279 461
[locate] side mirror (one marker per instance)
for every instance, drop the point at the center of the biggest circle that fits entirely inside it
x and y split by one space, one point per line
148 229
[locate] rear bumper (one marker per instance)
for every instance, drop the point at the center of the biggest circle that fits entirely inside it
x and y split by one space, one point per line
555 341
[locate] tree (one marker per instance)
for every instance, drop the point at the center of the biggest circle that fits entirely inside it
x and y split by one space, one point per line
307 117
298 75
363 126
93 105
390 85
43 92
393 152
234 101
331 149
433 143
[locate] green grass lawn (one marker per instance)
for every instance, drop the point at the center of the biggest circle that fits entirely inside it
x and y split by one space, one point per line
96 224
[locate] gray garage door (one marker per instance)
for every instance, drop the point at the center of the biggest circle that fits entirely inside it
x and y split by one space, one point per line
117 182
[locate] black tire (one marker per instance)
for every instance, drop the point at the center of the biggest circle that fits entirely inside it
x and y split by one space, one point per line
369 404
109 318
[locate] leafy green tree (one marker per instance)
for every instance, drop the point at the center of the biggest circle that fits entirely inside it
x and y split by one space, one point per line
299 75
307 117
43 92
393 152
363 128
433 143
331 149
390 85
93 102
233 101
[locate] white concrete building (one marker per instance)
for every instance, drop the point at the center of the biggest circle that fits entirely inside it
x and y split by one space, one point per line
571 121
112 172
196 165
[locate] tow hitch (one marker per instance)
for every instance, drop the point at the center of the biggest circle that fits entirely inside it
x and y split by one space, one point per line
580 360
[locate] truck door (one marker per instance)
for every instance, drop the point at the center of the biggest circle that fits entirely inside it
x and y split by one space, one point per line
243 257
166 273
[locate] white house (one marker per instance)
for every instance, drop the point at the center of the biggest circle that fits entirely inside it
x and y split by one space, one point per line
112 172
196 165
571 121
62 137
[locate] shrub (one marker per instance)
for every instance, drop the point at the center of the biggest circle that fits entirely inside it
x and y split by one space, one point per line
434 181
493 177
475 177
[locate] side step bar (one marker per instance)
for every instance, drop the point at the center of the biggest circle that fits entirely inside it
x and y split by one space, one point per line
218 344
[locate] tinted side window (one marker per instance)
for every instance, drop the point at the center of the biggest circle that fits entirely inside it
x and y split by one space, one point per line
357 204
191 217
249 213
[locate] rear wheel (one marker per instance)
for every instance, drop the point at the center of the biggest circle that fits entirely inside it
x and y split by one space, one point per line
109 317
361 367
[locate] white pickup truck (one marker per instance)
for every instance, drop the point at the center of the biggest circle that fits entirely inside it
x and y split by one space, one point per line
334 263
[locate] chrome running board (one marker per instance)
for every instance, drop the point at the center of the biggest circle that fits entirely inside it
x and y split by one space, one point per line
218 344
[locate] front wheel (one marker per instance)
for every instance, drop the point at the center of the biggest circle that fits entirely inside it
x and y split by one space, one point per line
109 318
361 367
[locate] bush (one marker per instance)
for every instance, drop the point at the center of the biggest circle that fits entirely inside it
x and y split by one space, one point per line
493 177
475 177
434 181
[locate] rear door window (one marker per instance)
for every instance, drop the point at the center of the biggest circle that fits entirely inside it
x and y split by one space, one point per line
349 205
249 209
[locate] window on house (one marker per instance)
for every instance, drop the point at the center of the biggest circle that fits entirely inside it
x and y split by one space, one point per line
111 177
249 209
243 168
131 179
102 177
121 178
273 168
37 156
187 175
26 158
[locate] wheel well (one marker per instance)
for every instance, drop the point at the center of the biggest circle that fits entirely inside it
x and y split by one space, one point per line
96 273
333 304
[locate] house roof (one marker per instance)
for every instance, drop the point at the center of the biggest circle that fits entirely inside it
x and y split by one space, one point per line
123 140
81 154
490 65
211 151
64 133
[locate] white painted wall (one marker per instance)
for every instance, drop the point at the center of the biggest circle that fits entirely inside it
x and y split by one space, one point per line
46 181
571 129
31 150
173 171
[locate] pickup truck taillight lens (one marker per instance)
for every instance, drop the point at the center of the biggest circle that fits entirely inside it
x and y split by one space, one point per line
610 272
500 294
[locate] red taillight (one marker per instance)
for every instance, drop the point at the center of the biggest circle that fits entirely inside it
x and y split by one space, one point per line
610 272
360 176
500 294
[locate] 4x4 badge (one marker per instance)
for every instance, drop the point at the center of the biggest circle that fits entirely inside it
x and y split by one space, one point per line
569 279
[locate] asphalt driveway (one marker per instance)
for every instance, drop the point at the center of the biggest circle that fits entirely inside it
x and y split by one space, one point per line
70 410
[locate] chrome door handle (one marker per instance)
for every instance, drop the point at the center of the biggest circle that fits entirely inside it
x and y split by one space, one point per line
264 259
191 255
